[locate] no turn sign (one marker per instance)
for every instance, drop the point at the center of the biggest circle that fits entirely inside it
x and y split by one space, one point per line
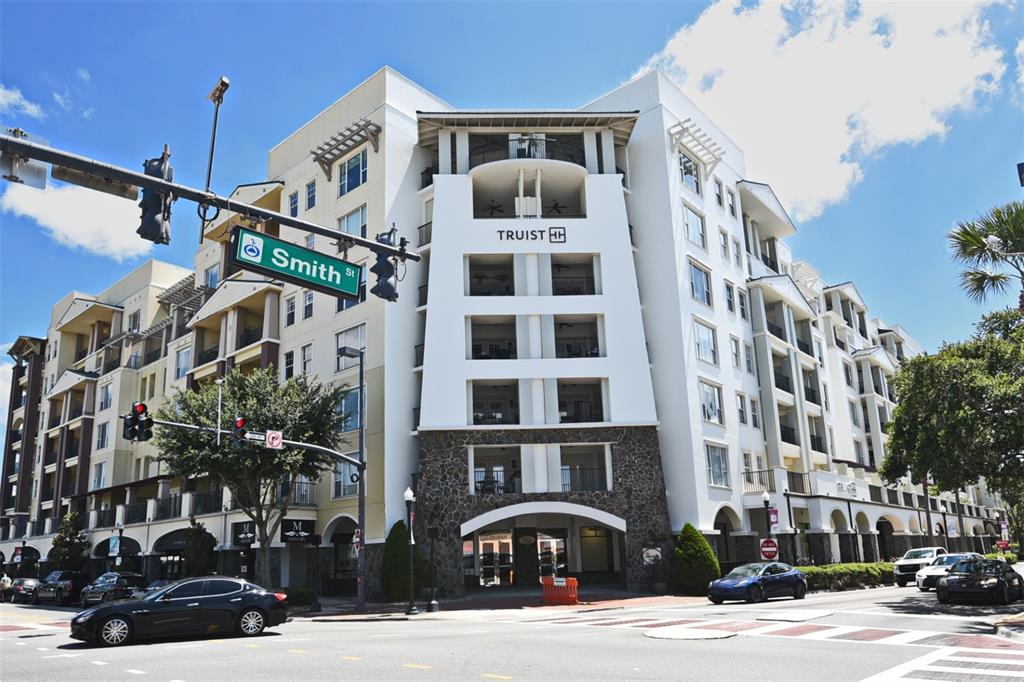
275 440
769 549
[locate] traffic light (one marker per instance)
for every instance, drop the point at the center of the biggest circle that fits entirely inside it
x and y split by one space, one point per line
156 206
138 425
238 432
387 279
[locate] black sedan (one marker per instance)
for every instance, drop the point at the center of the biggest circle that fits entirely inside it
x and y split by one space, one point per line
196 606
22 589
112 586
981 579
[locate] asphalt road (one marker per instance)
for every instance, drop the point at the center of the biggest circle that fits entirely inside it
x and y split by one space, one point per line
888 633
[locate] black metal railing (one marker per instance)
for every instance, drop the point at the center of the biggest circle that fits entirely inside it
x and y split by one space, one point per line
798 482
804 346
298 493
37 527
205 356
135 512
76 412
875 493
425 232
572 286
878 389
526 148
81 353
417 355
485 413
817 443
67 489
770 262
415 418
775 330
110 366
583 479
811 394
106 518
47 494
151 356
758 481
250 335
16 436
491 285
55 420
423 295
576 347
50 458
788 434
783 382
427 176
580 412
168 507
496 350
209 502
180 331
496 483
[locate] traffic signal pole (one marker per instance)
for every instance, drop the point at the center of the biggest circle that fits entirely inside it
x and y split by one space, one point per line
58 157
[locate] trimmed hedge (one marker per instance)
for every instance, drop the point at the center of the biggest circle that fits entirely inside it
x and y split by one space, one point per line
694 563
847 576
1010 557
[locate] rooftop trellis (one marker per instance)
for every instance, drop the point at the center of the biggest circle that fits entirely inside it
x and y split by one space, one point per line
341 143
690 137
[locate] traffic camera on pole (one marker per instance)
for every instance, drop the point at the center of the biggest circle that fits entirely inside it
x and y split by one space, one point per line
387 278
238 432
138 425
156 206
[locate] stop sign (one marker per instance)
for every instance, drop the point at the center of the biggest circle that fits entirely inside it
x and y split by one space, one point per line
769 549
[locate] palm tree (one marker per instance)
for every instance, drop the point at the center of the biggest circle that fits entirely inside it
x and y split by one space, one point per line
992 249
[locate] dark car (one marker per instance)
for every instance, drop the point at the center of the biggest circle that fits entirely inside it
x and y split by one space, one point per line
981 579
111 586
757 582
196 606
22 589
152 587
60 586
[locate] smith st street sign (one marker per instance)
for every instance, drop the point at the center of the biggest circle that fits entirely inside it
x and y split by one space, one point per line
258 252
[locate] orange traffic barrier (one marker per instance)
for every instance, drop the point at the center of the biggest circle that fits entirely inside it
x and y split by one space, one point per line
561 591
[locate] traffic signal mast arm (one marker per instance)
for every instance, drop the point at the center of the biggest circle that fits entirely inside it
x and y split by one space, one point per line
30 150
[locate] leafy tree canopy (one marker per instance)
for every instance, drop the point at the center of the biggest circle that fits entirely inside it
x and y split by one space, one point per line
69 545
200 550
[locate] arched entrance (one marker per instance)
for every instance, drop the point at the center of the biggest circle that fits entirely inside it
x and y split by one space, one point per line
170 562
124 557
339 563
726 523
886 545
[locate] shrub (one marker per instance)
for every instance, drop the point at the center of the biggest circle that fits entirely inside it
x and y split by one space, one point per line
394 572
1010 557
694 563
847 576
200 552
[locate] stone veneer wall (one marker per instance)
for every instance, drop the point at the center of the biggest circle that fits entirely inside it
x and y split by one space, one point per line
637 495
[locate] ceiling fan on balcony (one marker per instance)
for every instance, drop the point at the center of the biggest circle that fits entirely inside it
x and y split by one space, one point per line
494 207
556 207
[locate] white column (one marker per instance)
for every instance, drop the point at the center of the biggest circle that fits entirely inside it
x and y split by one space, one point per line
444 152
554 455
532 274
461 151
536 339
537 398
590 150
608 150
539 456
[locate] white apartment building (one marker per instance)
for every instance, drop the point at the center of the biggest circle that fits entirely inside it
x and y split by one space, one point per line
607 338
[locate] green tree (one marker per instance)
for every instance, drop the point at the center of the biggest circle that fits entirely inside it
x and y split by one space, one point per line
69 545
694 563
200 550
394 573
961 411
988 269
258 477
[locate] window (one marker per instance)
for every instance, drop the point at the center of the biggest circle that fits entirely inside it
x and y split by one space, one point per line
187 590
730 297
343 472
354 337
735 343
858 453
182 362
755 414
824 396
742 297
289 365
723 242
99 475
719 198
307 305
134 320
732 202
718 465
736 253
349 408
307 358
218 587
741 407
211 276
707 343
748 353
289 311
310 194
353 223
821 354
854 416
700 284
353 173
344 302
102 433
310 242
152 385
106 396
831 442
293 204
695 231
848 374
142 392
689 172
711 403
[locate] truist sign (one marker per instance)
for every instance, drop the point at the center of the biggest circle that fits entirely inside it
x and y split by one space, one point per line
552 235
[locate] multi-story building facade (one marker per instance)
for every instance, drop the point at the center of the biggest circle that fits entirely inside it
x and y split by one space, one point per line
607 338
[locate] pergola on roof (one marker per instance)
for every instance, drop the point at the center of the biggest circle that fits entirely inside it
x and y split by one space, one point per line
344 141
430 122
691 138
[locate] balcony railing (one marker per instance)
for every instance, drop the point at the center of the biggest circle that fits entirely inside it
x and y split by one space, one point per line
783 382
134 361
415 418
496 350
422 295
576 347
770 262
50 458
47 494
811 395
817 443
485 413
106 518
111 366
151 356
425 232
54 420
208 355
36 528
250 335
427 176
572 286
526 148
775 330
75 412
298 493
798 482
180 331
483 285
878 389
758 481
583 479
135 513
168 507
417 355
580 412
81 353
788 434
804 346
209 502
495 483
67 489
875 493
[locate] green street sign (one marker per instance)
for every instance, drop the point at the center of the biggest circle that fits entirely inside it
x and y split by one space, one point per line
258 252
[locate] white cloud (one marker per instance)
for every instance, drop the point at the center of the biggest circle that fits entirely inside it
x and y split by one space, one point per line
80 218
1020 69
807 88
12 102
83 74
63 101
87 113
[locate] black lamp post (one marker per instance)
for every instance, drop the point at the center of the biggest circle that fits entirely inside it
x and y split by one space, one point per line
766 500
410 514
350 352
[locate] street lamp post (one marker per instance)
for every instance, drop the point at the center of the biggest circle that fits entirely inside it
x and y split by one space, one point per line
360 353
766 500
217 97
410 511
945 528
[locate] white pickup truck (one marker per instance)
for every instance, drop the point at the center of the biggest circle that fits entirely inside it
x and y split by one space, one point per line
905 569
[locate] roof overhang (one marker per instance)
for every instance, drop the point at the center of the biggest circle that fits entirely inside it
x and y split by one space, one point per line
760 203
71 378
849 290
26 345
785 288
430 122
876 355
83 312
231 294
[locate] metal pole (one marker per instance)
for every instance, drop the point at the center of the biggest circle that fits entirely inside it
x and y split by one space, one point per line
855 536
928 512
360 552
220 391
213 143
411 609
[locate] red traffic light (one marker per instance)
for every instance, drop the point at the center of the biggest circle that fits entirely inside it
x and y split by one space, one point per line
139 408
239 422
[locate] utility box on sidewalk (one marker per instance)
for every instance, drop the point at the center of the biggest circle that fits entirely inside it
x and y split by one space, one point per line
560 591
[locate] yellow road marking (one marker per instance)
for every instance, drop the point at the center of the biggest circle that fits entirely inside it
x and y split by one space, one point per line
416 666
297 651
351 658
495 676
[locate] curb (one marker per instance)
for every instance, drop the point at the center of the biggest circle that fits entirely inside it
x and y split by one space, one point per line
1014 632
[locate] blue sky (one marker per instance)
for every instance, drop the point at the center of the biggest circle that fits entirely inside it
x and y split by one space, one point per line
116 81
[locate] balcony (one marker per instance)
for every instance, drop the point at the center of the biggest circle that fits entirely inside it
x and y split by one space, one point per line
818 443
490 412
788 434
772 264
783 382
75 412
208 502
487 481
168 508
422 295
576 347
573 286
775 330
298 493
135 513
491 284
50 458
488 149
811 395
180 331
427 176
67 489
250 335
109 367
81 353
805 347
583 479
151 356
798 482
106 518
208 355
759 481
494 350
417 355
47 494
424 233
